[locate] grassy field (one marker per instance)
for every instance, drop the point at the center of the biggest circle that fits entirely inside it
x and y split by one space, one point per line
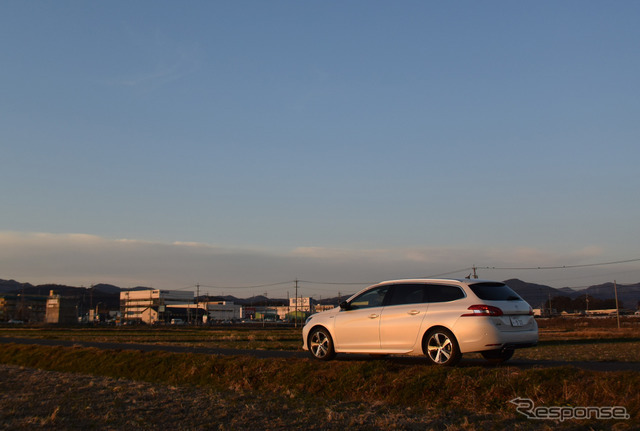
238 392
560 339
222 337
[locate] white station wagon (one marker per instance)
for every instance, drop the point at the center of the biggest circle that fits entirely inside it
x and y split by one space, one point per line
439 318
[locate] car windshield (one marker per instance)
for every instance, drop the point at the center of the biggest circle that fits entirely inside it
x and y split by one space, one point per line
494 292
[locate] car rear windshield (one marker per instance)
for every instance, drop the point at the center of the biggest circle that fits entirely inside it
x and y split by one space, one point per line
494 292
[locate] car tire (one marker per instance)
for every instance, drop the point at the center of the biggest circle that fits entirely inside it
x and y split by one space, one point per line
497 356
321 344
441 347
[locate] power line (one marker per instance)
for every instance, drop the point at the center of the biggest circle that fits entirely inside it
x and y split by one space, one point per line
449 273
374 282
336 282
560 267
249 287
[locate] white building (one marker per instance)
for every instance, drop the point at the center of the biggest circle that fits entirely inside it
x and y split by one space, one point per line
305 305
221 310
301 304
149 306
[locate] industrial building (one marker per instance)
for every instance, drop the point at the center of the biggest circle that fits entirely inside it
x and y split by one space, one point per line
61 310
164 306
22 308
206 311
221 311
151 305
301 307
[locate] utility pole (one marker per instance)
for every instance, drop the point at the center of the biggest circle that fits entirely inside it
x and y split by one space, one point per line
586 299
615 288
197 303
22 306
266 307
296 304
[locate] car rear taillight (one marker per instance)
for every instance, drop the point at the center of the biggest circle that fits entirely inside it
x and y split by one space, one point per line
483 310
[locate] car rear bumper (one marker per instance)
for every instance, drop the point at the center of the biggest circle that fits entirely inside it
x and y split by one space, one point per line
488 336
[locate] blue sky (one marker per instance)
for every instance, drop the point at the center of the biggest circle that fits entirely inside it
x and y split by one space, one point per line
349 141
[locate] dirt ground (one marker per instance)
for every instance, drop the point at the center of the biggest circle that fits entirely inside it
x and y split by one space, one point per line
37 399
50 400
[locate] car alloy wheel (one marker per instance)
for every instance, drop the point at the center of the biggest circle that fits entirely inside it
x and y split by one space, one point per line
321 344
441 347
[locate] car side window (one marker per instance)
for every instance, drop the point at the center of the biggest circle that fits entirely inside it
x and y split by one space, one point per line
444 293
371 298
407 294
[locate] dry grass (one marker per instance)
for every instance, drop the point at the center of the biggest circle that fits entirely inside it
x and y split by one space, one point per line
132 388
232 337
88 388
75 401
32 398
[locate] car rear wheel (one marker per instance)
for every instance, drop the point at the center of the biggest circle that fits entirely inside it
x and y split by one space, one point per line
441 347
497 356
321 344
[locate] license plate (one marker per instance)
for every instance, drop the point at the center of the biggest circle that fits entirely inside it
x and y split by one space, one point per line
517 321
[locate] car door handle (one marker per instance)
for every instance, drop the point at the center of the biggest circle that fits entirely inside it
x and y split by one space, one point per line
373 316
414 312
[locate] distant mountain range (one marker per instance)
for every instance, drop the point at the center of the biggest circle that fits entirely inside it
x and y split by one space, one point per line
538 294
534 294
110 294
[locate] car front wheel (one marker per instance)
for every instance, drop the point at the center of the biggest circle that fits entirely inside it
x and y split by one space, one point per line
441 347
321 344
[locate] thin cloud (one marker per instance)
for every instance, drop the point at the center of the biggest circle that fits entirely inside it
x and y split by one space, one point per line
160 59
80 259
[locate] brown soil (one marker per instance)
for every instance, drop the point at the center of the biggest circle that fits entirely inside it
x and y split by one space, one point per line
38 399
50 400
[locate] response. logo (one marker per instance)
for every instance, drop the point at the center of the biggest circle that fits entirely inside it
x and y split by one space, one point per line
526 406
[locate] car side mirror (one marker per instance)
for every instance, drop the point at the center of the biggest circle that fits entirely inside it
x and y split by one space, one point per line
344 305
